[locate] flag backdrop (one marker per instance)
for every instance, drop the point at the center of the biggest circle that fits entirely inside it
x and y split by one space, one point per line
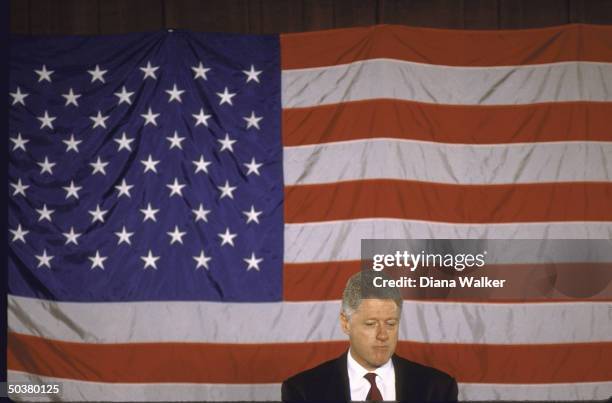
185 208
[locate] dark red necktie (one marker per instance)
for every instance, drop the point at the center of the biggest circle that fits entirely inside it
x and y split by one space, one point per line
374 393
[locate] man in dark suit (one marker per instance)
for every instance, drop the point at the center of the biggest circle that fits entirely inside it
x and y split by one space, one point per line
370 370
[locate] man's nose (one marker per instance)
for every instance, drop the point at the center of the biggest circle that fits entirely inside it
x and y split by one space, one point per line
382 333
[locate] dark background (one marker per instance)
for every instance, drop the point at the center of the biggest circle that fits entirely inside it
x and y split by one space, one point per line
274 16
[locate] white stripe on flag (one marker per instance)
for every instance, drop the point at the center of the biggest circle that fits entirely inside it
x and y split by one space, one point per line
448 163
394 79
342 239
546 392
296 322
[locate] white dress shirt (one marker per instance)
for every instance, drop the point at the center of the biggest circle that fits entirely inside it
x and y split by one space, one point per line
359 386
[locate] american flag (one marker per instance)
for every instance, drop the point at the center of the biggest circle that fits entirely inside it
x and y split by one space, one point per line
185 208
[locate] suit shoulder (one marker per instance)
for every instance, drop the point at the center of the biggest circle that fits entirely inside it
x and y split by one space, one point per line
423 370
324 370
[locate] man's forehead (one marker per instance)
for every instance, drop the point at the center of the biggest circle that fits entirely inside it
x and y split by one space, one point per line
372 305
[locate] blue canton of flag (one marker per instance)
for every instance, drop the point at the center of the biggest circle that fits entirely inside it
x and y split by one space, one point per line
147 167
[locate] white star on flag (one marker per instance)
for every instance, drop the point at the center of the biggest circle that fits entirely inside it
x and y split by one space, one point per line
202 260
46 120
175 141
150 164
175 188
71 236
150 117
149 71
124 96
99 166
201 118
201 165
18 97
226 97
71 98
227 143
201 213
199 71
45 213
253 167
44 74
227 190
252 74
19 234
97 74
72 144
44 259
97 214
124 189
176 235
252 121
72 190
19 142
19 187
175 94
124 142
150 260
99 120
46 166
227 237
124 236
97 260
252 215
253 262
149 213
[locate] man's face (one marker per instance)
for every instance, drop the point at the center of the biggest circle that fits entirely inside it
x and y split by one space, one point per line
372 331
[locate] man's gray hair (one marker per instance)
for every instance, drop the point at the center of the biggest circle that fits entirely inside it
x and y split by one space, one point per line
360 286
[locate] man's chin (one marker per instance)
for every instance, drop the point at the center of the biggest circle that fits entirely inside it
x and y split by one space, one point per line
380 358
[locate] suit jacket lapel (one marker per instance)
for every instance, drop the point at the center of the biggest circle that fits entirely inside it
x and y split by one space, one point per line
335 384
406 383
400 378
341 388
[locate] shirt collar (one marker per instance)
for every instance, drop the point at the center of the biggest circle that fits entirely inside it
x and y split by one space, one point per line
357 371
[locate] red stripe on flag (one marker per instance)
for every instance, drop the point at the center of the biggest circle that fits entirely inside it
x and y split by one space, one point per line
269 363
449 203
447 47
558 282
571 121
